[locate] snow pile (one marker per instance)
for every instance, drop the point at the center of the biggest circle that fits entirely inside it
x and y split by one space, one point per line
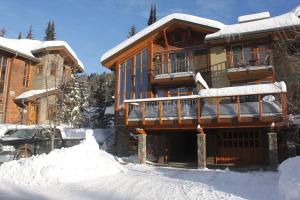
82 162
270 88
289 180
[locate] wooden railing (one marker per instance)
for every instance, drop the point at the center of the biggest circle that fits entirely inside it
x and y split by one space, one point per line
247 59
194 107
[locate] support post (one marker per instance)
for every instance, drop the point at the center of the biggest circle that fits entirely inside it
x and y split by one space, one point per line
141 145
201 147
273 150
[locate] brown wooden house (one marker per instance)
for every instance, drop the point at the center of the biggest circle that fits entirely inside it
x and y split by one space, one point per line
157 97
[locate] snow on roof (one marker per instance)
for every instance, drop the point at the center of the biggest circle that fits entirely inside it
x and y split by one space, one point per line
269 88
199 79
36 45
279 22
31 93
252 17
11 45
158 24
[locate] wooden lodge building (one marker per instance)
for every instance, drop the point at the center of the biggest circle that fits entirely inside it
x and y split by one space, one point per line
195 90
31 72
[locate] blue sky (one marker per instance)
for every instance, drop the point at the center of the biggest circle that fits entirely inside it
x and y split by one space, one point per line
92 27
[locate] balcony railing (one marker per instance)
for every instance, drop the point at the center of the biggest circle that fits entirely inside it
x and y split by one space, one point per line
248 59
194 107
177 66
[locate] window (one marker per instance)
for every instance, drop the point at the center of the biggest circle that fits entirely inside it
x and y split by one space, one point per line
39 69
53 68
26 75
51 113
3 65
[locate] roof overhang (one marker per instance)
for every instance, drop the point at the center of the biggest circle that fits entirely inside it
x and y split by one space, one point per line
19 54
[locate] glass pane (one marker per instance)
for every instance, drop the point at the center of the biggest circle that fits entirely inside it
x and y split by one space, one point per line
248 57
128 77
3 69
138 76
121 85
166 60
237 58
144 72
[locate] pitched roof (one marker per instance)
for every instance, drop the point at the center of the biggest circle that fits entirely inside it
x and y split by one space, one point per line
176 16
289 19
27 47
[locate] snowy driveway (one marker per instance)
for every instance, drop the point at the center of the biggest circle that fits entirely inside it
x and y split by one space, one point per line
146 182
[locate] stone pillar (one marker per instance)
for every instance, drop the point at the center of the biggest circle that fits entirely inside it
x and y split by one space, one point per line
273 150
141 146
201 148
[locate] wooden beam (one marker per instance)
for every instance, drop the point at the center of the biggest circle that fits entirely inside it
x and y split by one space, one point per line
179 112
143 113
165 39
199 110
160 112
126 114
117 89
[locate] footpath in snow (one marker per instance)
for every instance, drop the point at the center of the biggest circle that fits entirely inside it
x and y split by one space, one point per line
85 172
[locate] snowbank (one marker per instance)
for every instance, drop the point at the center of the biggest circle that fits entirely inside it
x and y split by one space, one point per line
289 180
68 165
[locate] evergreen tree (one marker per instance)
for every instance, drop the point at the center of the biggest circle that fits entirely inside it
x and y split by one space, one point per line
152 16
74 102
20 35
50 31
29 34
132 31
2 32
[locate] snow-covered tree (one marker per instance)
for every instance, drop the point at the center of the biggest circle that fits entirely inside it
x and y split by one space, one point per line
74 102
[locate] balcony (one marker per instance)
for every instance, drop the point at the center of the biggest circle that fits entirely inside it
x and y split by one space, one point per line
246 65
180 69
216 111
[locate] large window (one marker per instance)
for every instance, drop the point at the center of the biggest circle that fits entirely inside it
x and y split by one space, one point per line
26 75
134 77
3 65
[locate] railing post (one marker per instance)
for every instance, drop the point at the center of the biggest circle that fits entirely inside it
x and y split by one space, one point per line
179 112
283 105
218 108
143 112
199 110
160 112
238 104
259 107
126 113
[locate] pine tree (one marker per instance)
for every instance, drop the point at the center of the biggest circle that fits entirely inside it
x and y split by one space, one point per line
30 34
50 31
152 16
74 102
3 32
132 31
20 35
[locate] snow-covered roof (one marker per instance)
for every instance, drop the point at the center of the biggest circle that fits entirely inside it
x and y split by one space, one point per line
36 45
31 93
10 45
199 79
268 88
27 47
175 16
286 20
252 17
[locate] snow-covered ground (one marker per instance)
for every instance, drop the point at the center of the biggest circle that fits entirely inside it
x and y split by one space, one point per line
85 172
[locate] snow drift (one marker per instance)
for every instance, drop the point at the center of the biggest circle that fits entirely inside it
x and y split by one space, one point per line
289 180
78 163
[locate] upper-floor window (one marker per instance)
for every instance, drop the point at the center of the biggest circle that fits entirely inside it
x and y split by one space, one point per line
39 69
26 75
53 68
3 64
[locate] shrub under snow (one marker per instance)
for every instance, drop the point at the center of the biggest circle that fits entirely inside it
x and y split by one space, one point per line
289 180
81 162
